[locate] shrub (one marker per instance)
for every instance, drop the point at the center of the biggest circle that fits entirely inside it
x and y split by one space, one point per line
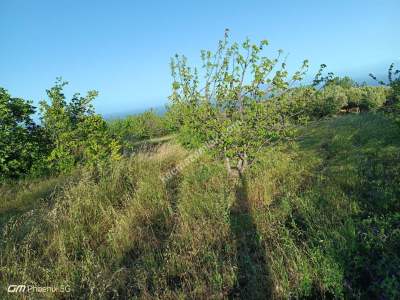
372 97
392 105
328 101
140 127
22 142
77 135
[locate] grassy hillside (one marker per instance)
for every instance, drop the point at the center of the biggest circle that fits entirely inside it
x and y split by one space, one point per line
317 217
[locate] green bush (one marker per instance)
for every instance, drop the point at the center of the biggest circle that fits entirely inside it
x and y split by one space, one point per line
140 127
372 97
328 101
77 135
333 99
22 142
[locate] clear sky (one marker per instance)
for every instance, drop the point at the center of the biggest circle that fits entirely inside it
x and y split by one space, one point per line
123 48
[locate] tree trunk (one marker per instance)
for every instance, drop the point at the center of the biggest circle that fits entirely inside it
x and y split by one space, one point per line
228 166
242 164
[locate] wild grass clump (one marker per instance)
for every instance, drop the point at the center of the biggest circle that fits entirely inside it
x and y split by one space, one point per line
327 210
93 232
200 259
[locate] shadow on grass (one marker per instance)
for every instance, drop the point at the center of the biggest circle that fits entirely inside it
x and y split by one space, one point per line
252 273
161 226
16 200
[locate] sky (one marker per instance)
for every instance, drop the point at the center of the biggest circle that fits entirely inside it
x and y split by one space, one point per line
123 48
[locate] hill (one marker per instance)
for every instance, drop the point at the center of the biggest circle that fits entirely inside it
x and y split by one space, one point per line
318 217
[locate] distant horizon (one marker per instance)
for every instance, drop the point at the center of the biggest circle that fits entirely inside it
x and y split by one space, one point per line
162 106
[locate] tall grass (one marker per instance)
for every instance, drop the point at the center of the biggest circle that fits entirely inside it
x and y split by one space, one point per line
315 218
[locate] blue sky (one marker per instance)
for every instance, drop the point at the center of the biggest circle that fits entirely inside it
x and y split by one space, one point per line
123 48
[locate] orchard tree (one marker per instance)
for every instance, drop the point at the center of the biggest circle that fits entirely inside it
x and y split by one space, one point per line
234 101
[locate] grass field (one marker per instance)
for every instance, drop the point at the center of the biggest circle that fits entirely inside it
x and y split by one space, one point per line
316 217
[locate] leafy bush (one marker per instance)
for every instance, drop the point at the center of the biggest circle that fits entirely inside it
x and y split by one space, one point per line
77 135
372 98
306 103
328 101
140 127
344 82
22 142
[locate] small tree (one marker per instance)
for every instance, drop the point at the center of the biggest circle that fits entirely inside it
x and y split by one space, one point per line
76 133
238 104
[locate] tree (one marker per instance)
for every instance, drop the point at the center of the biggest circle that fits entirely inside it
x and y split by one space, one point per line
237 106
21 140
77 135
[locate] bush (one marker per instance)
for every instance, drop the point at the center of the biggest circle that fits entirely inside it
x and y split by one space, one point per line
22 142
328 101
140 127
392 105
77 135
372 97
305 103
333 99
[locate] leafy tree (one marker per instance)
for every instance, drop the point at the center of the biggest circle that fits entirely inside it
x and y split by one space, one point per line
76 133
238 104
21 140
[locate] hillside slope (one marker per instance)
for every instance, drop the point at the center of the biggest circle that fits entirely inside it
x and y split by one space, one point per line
312 218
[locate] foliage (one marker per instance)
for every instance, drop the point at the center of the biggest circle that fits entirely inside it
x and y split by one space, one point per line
21 141
393 82
392 106
77 135
238 107
333 98
344 82
310 103
140 127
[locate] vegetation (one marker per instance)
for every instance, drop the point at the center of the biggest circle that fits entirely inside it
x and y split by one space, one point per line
294 195
239 107
20 139
319 216
134 129
392 105
70 134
